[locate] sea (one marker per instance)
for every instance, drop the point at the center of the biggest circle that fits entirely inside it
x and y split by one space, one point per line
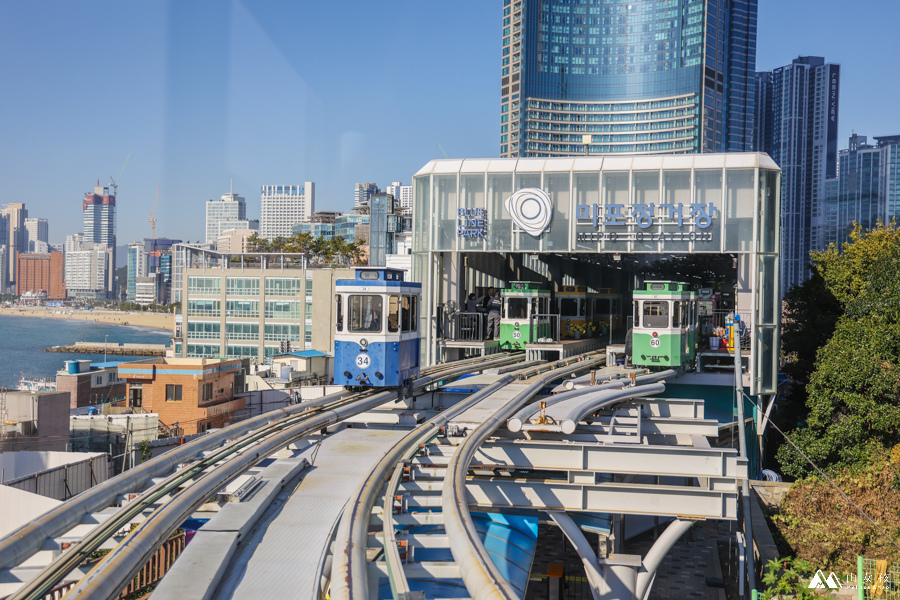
22 340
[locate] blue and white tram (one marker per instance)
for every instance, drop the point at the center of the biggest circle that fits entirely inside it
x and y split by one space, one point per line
376 342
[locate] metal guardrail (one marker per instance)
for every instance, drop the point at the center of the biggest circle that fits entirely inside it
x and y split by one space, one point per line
544 333
467 326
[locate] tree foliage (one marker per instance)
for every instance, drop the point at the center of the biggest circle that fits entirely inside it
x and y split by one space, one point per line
853 396
321 251
788 577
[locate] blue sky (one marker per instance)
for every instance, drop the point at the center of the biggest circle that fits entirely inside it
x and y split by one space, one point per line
203 94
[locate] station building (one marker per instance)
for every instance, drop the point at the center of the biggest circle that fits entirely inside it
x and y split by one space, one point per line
603 223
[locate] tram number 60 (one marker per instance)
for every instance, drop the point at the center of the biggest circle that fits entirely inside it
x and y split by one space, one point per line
363 361
654 343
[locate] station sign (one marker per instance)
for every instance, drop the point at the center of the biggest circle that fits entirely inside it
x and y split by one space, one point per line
635 222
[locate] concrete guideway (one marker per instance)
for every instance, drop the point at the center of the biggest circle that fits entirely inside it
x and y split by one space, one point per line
163 478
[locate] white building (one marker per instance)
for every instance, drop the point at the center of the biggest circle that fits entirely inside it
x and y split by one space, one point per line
228 213
234 241
402 196
89 269
37 230
284 206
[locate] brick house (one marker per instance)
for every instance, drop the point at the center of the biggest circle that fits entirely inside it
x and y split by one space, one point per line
194 394
89 384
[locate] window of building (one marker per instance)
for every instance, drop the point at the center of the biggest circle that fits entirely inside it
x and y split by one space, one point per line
173 393
308 334
282 309
206 392
242 286
242 331
242 308
204 285
203 308
285 286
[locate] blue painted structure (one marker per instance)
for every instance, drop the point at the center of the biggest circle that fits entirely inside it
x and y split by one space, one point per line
376 342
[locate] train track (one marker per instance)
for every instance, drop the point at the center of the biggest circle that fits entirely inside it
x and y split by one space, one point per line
350 568
206 465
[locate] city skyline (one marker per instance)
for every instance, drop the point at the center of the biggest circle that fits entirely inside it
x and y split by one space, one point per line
203 95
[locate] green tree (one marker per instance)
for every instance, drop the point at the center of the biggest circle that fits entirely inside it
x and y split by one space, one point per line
788 578
853 396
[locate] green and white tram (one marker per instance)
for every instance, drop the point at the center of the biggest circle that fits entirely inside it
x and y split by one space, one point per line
665 325
526 315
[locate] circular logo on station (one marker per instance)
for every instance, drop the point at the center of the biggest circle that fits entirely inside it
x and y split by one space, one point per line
530 209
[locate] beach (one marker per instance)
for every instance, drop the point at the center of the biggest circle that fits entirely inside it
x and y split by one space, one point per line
151 320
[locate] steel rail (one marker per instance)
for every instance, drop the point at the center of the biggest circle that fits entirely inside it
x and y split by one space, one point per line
24 542
68 561
115 570
349 568
480 575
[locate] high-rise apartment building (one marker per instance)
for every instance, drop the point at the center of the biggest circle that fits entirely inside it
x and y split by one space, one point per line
16 239
41 272
228 213
801 129
402 196
361 194
99 208
381 208
283 206
627 76
150 257
37 230
868 185
89 269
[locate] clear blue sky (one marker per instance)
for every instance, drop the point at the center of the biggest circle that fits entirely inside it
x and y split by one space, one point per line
265 92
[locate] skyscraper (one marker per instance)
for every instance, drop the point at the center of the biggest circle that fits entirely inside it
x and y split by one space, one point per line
16 239
868 185
283 206
361 194
800 134
627 76
37 231
228 213
99 209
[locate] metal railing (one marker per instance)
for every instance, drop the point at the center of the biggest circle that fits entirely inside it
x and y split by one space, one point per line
710 323
467 326
544 332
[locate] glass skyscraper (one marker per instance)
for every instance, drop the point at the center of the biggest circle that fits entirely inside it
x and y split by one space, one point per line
582 77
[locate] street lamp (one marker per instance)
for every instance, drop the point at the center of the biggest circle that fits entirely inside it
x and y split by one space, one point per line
104 347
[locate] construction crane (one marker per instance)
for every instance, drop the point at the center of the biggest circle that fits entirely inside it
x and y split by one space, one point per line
114 183
152 219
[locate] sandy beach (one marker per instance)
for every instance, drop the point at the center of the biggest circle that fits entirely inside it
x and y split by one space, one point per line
115 317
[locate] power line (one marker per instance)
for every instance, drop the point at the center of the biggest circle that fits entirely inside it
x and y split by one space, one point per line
827 478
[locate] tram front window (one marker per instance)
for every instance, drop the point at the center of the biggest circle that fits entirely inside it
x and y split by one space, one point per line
568 307
365 314
517 308
656 314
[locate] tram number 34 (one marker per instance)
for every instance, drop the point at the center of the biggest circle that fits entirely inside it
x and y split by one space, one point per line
517 335
654 343
363 361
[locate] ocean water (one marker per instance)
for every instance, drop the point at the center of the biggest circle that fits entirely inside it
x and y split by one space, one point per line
23 338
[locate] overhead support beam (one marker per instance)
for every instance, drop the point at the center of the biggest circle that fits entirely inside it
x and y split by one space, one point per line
657 552
719 501
686 461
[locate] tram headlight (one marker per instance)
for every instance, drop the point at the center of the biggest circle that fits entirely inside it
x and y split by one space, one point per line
364 342
655 334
